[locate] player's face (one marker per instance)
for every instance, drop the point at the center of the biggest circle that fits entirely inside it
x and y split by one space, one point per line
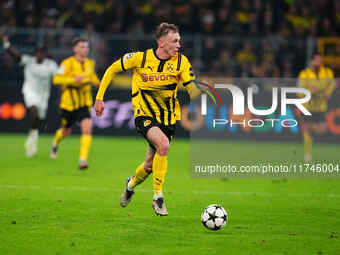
171 43
317 61
81 49
40 55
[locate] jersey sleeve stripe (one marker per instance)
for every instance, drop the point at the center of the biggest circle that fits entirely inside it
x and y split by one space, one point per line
122 63
187 83
144 59
179 61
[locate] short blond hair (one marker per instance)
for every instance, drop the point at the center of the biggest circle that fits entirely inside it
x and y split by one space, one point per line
164 28
77 40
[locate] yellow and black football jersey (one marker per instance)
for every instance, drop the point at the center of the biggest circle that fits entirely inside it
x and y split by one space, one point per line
154 83
324 80
76 95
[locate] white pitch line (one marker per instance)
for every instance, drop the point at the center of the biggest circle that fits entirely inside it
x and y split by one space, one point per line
5 186
267 194
195 192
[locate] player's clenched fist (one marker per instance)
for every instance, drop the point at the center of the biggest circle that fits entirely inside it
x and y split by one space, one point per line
99 107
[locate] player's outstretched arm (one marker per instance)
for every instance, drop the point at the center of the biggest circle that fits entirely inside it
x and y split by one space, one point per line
188 79
64 76
106 81
99 107
128 61
13 52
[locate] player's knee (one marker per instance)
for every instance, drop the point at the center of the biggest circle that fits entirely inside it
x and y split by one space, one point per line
66 131
86 127
163 147
87 132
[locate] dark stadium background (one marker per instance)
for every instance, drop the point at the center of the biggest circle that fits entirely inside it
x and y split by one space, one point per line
223 39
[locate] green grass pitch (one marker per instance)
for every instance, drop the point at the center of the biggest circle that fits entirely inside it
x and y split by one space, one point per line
50 207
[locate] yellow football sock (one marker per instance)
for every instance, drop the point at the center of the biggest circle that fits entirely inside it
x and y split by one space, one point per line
308 141
139 176
85 145
58 136
159 168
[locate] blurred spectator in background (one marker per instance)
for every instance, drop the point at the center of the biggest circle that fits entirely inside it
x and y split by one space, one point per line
224 24
215 16
210 53
246 54
245 16
244 20
208 22
7 13
225 65
326 29
336 16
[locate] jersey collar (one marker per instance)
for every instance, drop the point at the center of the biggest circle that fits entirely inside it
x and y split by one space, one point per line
154 53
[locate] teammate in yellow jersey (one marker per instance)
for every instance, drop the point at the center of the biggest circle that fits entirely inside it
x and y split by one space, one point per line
76 74
156 75
319 80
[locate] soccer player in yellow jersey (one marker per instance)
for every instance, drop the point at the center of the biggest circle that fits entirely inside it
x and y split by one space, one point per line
319 80
156 75
76 74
